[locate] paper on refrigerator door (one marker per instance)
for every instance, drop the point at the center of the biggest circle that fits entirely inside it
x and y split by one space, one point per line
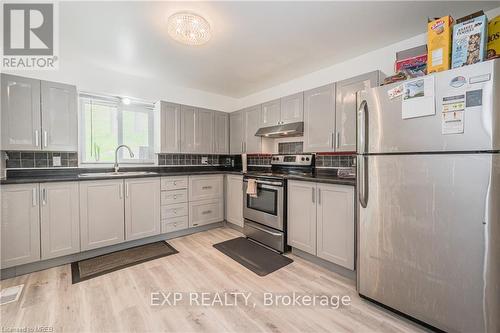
453 114
418 98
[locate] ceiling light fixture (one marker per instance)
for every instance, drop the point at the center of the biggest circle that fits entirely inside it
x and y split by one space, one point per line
126 101
189 28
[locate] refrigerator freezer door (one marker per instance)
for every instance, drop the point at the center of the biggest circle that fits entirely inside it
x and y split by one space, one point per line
429 238
479 85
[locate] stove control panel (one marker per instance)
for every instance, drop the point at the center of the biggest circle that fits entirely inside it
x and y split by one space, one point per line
302 159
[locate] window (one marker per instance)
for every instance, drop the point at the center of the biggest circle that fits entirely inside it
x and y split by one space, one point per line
108 123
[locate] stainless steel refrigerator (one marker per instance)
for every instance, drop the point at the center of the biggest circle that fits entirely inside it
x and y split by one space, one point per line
429 198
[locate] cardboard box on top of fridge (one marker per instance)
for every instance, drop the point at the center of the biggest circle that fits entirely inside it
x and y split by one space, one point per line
439 44
493 38
412 61
469 40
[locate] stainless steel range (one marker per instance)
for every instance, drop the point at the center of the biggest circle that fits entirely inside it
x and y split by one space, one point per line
265 214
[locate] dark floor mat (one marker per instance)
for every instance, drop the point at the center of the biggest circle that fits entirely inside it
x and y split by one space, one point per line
90 268
253 256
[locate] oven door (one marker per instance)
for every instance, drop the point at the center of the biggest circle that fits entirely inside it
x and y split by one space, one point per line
267 207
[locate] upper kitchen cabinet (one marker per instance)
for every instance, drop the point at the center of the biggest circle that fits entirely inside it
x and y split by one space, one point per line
20 114
236 129
59 117
271 113
204 131
347 105
188 129
38 115
221 133
252 143
319 119
292 108
167 127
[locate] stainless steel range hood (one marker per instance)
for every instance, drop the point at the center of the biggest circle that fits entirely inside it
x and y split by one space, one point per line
281 131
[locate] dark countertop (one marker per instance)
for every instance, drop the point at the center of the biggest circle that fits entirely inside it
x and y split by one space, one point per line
62 175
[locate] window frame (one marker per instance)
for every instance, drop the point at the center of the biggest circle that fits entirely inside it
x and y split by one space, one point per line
139 106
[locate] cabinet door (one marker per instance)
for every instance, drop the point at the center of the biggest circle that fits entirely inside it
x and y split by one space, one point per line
20 225
221 135
270 115
347 107
205 212
101 213
60 219
59 117
336 224
319 119
188 129
236 132
142 207
204 131
234 199
206 187
292 108
302 216
169 127
252 143
20 114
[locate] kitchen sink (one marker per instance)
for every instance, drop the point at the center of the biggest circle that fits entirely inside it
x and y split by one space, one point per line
116 174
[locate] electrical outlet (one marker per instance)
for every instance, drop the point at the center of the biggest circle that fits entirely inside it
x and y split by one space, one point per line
56 161
204 160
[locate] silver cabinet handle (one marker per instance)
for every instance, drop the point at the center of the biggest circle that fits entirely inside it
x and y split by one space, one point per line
175 183
37 138
206 187
337 139
126 190
121 191
242 150
206 212
319 196
44 196
175 197
333 140
33 197
45 138
312 192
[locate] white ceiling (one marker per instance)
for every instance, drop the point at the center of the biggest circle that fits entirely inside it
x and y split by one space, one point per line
255 45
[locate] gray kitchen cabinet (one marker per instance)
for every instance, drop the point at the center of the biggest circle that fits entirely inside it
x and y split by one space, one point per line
188 129
20 225
292 108
319 119
142 207
205 212
221 133
20 114
234 199
302 216
271 113
59 117
335 224
206 187
204 131
347 107
60 219
102 213
252 122
167 127
236 132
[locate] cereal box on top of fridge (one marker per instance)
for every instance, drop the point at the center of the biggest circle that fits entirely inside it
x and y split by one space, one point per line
469 40
439 44
493 38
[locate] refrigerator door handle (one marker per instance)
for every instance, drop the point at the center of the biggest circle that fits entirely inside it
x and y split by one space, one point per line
362 180
363 128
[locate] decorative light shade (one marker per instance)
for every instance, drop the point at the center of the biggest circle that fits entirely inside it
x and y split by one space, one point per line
189 28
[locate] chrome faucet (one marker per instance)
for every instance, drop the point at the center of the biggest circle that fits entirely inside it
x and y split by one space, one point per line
117 167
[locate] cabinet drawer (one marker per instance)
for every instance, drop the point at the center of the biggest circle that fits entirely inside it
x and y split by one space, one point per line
205 212
174 210
174 224
173 197
205 187
174 183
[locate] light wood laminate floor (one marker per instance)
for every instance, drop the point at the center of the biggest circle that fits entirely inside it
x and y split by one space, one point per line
121 301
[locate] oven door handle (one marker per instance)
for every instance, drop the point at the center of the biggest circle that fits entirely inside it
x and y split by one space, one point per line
266 182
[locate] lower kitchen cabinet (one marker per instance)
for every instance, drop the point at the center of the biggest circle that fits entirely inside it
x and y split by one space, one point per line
60 220
234 199
335 224
302 216
102 213
321 221
174 224
142 208
206 187
20 224
205 212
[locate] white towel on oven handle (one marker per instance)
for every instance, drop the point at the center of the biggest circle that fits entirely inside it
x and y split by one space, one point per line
252 188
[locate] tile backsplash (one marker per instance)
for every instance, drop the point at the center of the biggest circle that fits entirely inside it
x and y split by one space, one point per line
290 147
259 160
335 161
39 159
192 159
